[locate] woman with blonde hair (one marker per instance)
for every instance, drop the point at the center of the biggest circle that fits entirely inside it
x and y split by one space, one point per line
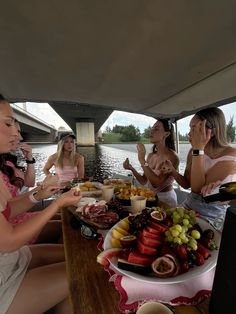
68 163
211 159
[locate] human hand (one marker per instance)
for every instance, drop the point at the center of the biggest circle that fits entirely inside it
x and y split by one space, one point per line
207 189
200 135
44 192
26 150
50 179
141 152
126 164
72 197
166 167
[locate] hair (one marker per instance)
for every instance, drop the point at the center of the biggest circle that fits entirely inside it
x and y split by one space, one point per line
215 120
168 127
60 153
9 171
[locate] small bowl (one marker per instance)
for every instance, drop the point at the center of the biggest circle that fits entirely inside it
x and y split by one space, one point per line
153 308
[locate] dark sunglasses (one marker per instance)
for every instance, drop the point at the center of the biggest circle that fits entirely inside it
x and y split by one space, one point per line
87 231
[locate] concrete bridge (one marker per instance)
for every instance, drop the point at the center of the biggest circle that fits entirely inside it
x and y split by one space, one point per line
84 120
32 128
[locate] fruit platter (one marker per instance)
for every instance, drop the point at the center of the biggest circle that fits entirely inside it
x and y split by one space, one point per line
124 194
89 188
161 246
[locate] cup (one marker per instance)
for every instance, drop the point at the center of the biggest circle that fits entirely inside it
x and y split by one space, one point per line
137 203
153 308
107 192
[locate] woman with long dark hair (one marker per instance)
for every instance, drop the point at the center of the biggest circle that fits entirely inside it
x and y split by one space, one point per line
155 174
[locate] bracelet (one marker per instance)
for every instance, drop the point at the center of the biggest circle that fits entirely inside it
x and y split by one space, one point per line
30 161
32 198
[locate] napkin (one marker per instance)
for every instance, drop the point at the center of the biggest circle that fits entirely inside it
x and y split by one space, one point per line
133 292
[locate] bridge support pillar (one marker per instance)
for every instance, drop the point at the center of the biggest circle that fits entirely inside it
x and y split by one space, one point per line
85 133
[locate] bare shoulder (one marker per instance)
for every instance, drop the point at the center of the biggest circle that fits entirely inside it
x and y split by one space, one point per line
52 157
79 156
173 156
230 151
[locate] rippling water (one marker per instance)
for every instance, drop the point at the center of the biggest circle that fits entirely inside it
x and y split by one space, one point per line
102 160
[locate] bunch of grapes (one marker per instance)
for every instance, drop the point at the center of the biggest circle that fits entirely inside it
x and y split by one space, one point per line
181 232
139 222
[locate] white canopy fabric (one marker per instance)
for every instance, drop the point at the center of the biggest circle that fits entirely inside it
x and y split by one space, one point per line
159 57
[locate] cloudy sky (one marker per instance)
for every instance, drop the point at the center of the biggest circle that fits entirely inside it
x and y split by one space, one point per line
46 113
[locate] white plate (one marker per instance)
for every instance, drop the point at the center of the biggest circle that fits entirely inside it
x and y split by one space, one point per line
84 201
97 192
193 272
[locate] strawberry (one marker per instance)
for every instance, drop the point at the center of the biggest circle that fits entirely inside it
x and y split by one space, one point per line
182 252
199 259
203 250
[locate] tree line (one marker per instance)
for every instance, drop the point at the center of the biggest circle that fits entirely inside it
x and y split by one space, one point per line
131 133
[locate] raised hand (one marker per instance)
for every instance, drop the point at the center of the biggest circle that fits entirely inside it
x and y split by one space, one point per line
126 164
141 152
72 197
26 150
200 135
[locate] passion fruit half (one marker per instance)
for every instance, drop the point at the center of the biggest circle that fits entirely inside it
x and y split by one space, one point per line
128 241
158 215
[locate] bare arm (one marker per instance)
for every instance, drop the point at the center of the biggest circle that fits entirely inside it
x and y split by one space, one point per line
29 174
22 203
13 237
141 178
49 164
182 180
80 167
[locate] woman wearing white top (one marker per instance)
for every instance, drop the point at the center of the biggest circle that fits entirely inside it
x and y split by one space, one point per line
32 278
211 159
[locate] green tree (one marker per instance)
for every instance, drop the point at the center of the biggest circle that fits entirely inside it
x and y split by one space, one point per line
118 129
231 130
147 131
183 137
130 134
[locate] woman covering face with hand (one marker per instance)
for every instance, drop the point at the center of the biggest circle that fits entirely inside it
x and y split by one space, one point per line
210 160
29 274
155 171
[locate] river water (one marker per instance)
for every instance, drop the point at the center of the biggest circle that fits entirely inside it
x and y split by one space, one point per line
102 160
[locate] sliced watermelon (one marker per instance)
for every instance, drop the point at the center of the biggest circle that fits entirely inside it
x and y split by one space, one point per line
104 257
136 268
141 259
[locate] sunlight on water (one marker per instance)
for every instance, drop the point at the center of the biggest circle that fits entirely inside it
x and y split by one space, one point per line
102 161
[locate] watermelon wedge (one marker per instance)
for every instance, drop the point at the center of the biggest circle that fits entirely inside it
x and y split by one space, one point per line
104 256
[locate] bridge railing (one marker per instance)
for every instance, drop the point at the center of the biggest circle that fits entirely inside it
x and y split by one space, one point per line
31 115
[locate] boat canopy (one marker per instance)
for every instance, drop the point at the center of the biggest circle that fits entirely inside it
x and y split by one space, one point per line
159 58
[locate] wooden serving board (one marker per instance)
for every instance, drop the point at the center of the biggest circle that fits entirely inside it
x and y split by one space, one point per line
96 225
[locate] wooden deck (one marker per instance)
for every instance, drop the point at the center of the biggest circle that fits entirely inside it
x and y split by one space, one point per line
90 290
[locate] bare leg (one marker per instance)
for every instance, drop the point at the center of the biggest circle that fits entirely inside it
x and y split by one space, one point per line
41 289
45 254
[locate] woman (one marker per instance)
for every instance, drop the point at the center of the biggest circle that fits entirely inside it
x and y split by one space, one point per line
211 159
68 163
154 168
29 275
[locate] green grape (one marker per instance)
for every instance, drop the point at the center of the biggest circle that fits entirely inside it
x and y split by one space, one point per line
185 222
178 227
174 233
177 240
195 234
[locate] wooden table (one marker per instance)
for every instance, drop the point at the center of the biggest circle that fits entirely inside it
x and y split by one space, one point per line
90 290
